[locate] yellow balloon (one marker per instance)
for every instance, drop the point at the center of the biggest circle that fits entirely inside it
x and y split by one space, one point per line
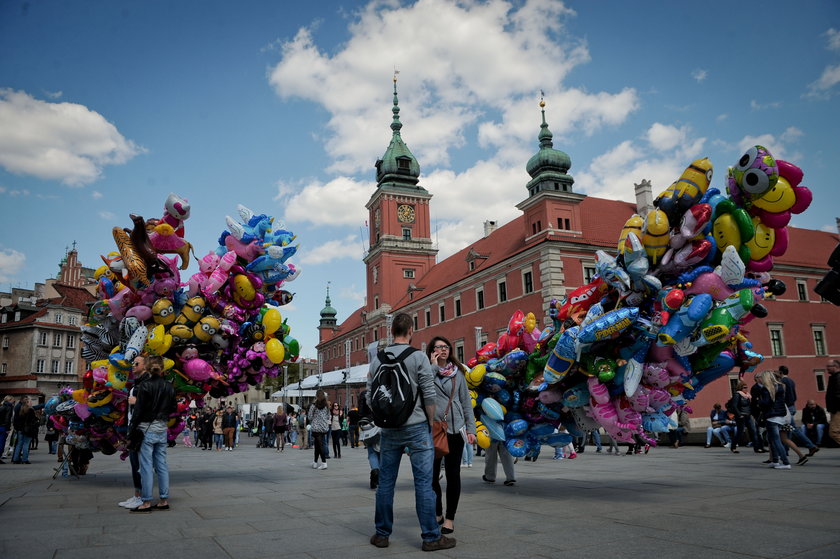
476 375
80 395
271 321
275 350
482 436
473 397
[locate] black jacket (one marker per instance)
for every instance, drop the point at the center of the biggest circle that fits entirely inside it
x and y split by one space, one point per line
155 401
6 411
228 420
832 393
816 416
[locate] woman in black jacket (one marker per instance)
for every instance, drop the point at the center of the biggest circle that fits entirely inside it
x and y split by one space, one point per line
740 406
775 414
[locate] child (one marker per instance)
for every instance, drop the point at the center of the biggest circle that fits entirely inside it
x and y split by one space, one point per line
187 439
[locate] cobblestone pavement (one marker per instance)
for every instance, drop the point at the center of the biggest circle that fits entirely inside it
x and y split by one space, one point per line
256 503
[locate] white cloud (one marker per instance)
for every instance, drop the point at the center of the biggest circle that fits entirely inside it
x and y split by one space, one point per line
699 75
350 246
821 88
11 262
781 145
756 106
58 141
664 137
447 47
54 94
96 195
833 37
14 192
721 117
352 293
340 201
107 216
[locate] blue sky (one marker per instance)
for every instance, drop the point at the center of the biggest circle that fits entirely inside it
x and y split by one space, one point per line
107 106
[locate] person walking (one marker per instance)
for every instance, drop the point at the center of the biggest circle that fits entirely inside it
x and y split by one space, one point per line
218 431
228 427
301 429
794 436
6 413
26 425
775 414
353 426
832 398
454 406
281 424
740 406
336 418
319 420
413 436
497 451
155 403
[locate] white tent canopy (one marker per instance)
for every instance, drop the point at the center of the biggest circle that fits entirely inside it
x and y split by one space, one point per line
358 375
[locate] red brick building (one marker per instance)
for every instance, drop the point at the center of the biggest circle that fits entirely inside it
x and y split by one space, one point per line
543 254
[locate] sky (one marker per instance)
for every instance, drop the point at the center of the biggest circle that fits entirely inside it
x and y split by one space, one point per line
108 106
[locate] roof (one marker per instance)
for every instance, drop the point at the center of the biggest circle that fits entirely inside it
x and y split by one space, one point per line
820 244
73 297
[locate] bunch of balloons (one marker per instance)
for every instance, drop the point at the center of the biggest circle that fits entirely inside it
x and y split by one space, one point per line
218 333
659 321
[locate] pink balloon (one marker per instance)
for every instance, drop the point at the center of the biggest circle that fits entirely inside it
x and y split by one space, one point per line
791 172
82 411
198 369
712 284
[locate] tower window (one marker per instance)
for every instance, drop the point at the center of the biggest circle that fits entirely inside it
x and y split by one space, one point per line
408 273
403 164
406 233
471 265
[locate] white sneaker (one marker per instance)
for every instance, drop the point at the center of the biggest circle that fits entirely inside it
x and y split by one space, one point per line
132 503
781 467
124 503
314 465
774 464
323 466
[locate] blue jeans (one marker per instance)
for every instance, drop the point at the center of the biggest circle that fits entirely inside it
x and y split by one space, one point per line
153 461
373 457
467 455
777 449
417 439
819 431
797 436
4 433
219 439
21 453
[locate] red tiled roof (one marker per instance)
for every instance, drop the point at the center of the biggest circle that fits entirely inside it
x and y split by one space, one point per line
814 248
603 219
31 319
74 297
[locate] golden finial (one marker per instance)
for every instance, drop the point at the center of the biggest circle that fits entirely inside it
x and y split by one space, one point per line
542 97
395 74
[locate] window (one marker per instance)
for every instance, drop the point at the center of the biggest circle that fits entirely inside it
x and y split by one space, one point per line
414 319
528 282
3 369
820 378
71 341
479 298
502 291
68 367
819 340
777 347
57 340
442 309
376 301
457 306
58 318
459 351
403 164
54 366
471 267
376 335
588 273
5 342
39 366
5 318
72 320
408 273
802 290
428 317
567 223
406 233
17 316
42 338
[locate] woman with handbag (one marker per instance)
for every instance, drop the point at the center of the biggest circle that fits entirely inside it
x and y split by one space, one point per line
454 421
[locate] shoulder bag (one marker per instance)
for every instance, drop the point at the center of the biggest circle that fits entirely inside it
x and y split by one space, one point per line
439 428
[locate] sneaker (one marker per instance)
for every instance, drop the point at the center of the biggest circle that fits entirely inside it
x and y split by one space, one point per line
774 464
132 503
598 451
781 467
469 465
572 456
323 466
441 543
813 451
379 541
314 465
802 461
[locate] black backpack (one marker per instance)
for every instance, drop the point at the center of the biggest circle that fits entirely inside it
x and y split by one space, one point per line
392 397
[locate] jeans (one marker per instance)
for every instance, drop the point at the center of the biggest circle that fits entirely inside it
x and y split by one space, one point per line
195 437
134 459
21 453
354 435
467 455
819 432
777 449
293 437
373 457
417 438
722 434
219 439
796 435
746 421
153 461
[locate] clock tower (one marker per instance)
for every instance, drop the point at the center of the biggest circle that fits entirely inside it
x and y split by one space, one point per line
400 233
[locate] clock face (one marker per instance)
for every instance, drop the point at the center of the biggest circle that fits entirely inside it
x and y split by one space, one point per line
405 213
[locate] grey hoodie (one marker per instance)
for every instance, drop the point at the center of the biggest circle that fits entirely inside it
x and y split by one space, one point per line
421 376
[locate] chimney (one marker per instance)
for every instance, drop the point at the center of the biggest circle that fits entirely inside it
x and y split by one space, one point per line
489 227
644 197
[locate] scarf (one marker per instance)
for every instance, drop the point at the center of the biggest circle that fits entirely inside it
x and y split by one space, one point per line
447 371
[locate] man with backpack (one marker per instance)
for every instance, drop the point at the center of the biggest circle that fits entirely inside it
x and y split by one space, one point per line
401 396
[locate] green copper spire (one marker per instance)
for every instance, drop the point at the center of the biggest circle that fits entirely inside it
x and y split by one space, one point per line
328 313
398 167
548 167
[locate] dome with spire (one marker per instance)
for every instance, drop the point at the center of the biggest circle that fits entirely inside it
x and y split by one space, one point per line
548 158
398 166
328 313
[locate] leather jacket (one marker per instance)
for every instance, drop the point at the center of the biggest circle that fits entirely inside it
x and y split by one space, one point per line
155 401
